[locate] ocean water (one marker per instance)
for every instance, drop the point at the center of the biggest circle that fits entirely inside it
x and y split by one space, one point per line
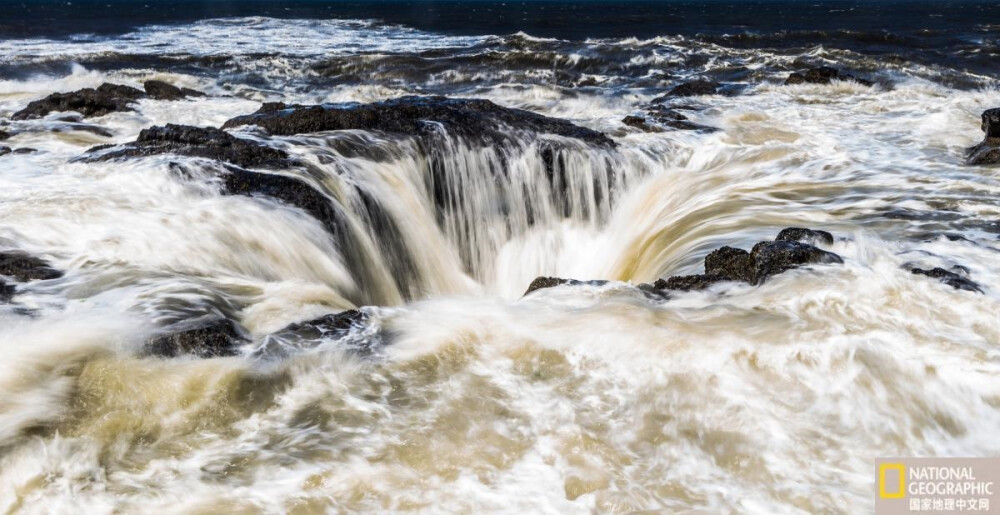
598 397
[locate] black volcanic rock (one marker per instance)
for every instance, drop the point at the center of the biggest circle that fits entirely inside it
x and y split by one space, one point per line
541 283
772 258
207 339
289 190
730 263
688 282
474 119
164 91
987 152
24 267
7 291
950 278
106 98
206 142
822 75
805 236
694 88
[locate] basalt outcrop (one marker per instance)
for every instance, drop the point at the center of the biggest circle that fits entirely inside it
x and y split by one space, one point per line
473 119
987 152
104 99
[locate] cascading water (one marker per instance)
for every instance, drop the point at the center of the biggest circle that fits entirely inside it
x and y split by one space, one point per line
449 390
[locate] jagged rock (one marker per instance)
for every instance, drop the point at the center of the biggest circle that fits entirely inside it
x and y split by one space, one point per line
163 91
805 236
731 264
219 337
24 267
106 98
822 75
474 119
950 278
207 142
987 152
772 258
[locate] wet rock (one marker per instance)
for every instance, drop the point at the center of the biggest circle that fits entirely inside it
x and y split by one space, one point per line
805 236
693 88
987 152
335 327
290 190
4 135
6 291
206 142
640 123
768 258
950 278
106 98
473 119
24 150
206 339
660 118
772 258
688 282
5 150
822 75
540 283
160 90
24 267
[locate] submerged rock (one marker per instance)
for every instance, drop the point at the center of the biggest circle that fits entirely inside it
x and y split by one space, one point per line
335 327
206 142
24 267
160 90
106 98
987 152
822 75
4 135
5 150
474 119
219 337
950 278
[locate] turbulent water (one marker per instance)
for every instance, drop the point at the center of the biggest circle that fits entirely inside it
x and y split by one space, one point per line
774 398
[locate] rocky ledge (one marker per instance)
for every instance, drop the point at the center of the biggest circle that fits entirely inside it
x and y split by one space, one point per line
823 75
987 152
104 99
205 142
473 119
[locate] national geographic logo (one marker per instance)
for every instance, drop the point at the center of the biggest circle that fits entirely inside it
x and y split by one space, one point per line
937 485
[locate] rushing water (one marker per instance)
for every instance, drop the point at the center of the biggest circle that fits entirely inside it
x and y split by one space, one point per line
763 399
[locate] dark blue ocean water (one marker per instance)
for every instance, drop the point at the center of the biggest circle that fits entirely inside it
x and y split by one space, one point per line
933 21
